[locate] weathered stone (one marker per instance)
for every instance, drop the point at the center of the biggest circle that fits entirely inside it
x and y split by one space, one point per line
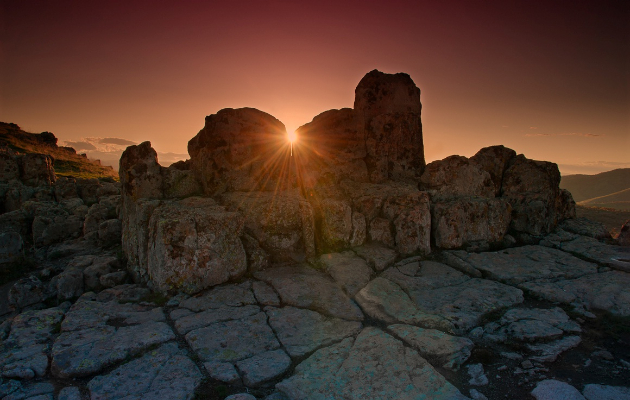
109 232
381 231
140 173
447 351
529 325
221 296
95 335
265 295
65 188
92 274
331 148
494 160
35 391
605 291
263 367
586 227
302 331
383 300
466 221
411 216
551 389
113 279
359 229
232 341
237 150
477 375
257 258
194 245
9 168
162 373
23 353
336 225
616 257
307 288
11 247
70 393
624 235
523 264
349 270
455 259
224 372
53 224
375 365
455 177
531 187
416 276
68 284
191 322
274 219
179 183
27 292
388 109
36 169
240 396
605 392
464 304
548 352
377 257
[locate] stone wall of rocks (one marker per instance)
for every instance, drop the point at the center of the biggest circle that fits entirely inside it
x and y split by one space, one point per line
354 177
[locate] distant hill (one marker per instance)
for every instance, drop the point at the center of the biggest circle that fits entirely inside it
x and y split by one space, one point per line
66 160
619 201
586 187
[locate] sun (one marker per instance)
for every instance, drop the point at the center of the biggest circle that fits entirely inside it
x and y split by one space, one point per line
292 136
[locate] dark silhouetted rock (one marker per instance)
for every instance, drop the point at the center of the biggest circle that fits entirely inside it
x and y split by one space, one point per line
455 177
494 160
241 150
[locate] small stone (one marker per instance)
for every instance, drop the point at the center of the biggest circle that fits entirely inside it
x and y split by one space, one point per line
502 368
224 372
605 392
113 279
511 356
551 389
527 364
476 333
476 395
603 354
70 393
477 376
240 396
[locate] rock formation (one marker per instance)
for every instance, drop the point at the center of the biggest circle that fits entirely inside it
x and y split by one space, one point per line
350 269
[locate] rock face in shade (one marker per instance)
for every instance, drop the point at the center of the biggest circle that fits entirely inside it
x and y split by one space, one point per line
532 189
194 244
241 150
377 141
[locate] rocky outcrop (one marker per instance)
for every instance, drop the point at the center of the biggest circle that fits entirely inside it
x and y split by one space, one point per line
241 150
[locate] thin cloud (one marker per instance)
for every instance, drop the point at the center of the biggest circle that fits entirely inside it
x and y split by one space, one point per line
118 141
593 135
78 146
533 127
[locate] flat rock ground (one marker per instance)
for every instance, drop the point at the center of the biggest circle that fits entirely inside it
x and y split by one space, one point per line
358 324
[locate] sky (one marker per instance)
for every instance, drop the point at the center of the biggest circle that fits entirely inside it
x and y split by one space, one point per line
549 79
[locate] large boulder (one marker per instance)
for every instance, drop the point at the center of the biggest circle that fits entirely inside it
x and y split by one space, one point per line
9 167
139 171
388 107
331 148
494 160
537 202
37 169
194 244
455 177
241 150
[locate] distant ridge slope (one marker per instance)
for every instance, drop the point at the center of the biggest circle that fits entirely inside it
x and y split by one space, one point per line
585 187
66 160
619 200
